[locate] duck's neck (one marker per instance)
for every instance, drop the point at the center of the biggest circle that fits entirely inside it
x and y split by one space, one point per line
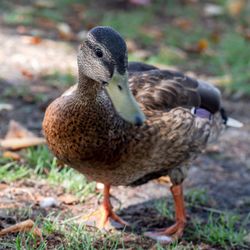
87 87
88 90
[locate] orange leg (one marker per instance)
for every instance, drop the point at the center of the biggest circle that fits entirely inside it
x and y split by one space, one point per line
105 212
175 231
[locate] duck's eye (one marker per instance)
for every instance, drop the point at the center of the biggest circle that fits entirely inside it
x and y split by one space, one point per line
99 53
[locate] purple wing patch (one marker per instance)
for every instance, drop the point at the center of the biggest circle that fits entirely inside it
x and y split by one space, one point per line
202 113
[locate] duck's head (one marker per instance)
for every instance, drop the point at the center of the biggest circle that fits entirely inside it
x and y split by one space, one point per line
103 58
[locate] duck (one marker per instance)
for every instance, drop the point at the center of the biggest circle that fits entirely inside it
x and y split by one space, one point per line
129 123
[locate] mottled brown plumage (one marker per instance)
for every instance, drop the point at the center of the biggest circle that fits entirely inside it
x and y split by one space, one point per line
84 130
89 135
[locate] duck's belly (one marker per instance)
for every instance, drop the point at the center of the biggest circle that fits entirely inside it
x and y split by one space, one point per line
135 171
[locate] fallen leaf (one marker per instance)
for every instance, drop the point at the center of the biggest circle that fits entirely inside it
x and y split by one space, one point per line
24 226
244 31
3 186
200 47
68 199
19 137
20 143
235 7
163 180
131 45
27 74
183 23
16 130
11 155
153 32
34 40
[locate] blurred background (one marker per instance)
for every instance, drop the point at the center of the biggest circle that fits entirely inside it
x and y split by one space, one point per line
205 39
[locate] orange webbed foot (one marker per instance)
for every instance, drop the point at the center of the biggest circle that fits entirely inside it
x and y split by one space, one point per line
168 235
174 232
105 218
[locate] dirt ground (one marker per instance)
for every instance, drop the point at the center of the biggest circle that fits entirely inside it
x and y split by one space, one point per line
224 173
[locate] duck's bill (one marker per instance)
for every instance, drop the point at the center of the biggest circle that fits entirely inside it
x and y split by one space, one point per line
123 100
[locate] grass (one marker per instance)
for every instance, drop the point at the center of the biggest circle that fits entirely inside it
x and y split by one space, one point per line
224 230
25 93
59 80
39 163
218 229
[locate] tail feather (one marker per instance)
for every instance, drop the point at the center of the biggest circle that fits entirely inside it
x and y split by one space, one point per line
233 123
228 121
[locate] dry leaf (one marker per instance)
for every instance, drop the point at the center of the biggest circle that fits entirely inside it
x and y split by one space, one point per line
3 186
16 130
19 137
235 7
153 32
131 45
202 45
199 47
11 155
27 74
34 40
68 199
20 143
163 180
24 226
183 23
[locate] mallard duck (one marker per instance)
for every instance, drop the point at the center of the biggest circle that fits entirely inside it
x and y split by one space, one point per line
126 124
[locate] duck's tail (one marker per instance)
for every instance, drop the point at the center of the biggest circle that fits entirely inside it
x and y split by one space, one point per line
228 121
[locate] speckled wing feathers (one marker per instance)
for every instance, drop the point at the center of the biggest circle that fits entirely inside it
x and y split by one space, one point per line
163 90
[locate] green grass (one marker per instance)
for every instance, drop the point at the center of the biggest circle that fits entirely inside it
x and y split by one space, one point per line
197 196
59 80
225 230
12 171
219 229
40 164
164 208
24 92
71 236
233 60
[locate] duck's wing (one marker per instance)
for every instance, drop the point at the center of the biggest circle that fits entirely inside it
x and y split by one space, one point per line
139 67
163 90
